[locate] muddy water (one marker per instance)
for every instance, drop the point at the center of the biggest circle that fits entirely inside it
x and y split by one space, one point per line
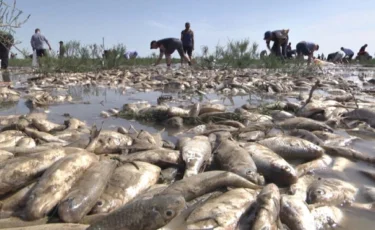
94 100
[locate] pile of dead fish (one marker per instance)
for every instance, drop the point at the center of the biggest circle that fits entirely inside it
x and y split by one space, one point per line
258 174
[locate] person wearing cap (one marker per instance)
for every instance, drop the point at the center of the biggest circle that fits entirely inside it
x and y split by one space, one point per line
348 53
130 55
61 49
280 40
167 46
37 41
187 38
306 49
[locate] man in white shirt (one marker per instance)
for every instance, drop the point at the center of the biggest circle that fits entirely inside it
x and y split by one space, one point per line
338 57
348 53
130 55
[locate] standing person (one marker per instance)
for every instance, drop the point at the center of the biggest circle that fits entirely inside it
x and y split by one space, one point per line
280 40
187 38
61 49
130 55
348 53
6 42
306 49
167 46
37 41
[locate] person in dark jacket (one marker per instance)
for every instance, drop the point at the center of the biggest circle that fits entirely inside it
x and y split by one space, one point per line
187 38
167 46
280 40
6 42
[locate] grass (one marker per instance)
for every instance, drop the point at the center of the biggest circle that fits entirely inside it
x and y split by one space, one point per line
236 54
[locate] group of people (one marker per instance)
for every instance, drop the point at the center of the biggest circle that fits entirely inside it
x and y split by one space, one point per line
282 48
185 46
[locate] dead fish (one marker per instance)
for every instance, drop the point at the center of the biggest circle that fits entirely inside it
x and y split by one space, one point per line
161 157
74 123
10 134
16 222
145 141
268 208
222 212
5 155
303 123
232 123
143 214
43 136
151 192
26 142
206 182
369 192
301 188
53 227
295 213
195 110
55 184
18 172
11 142
361 114
252 136
15 202
196 152
127 182
178 112
46 126
322 162
104 114
169 175
327 217
334 139
233 158
280 115
307 135
84 194
331 191
109 142
348 153
208 108
253 117
293 147
369 174
273 167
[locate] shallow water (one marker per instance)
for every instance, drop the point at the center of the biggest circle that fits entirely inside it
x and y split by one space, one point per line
102 99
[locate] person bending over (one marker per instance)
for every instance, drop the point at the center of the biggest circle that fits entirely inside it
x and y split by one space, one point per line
306 49
167 46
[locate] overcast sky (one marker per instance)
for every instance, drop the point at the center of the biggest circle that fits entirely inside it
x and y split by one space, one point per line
135 23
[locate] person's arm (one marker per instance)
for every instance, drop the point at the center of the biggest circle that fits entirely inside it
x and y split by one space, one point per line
159 59
192 38
45 39
268 45
32 43
182 35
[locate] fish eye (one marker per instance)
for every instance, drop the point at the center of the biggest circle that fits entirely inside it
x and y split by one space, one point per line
320 192
99 203
249 172
169 213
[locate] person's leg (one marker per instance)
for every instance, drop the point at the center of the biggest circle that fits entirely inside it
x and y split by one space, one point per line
190 52
183 56
3 52
168 59
284 46
5 59
276 48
